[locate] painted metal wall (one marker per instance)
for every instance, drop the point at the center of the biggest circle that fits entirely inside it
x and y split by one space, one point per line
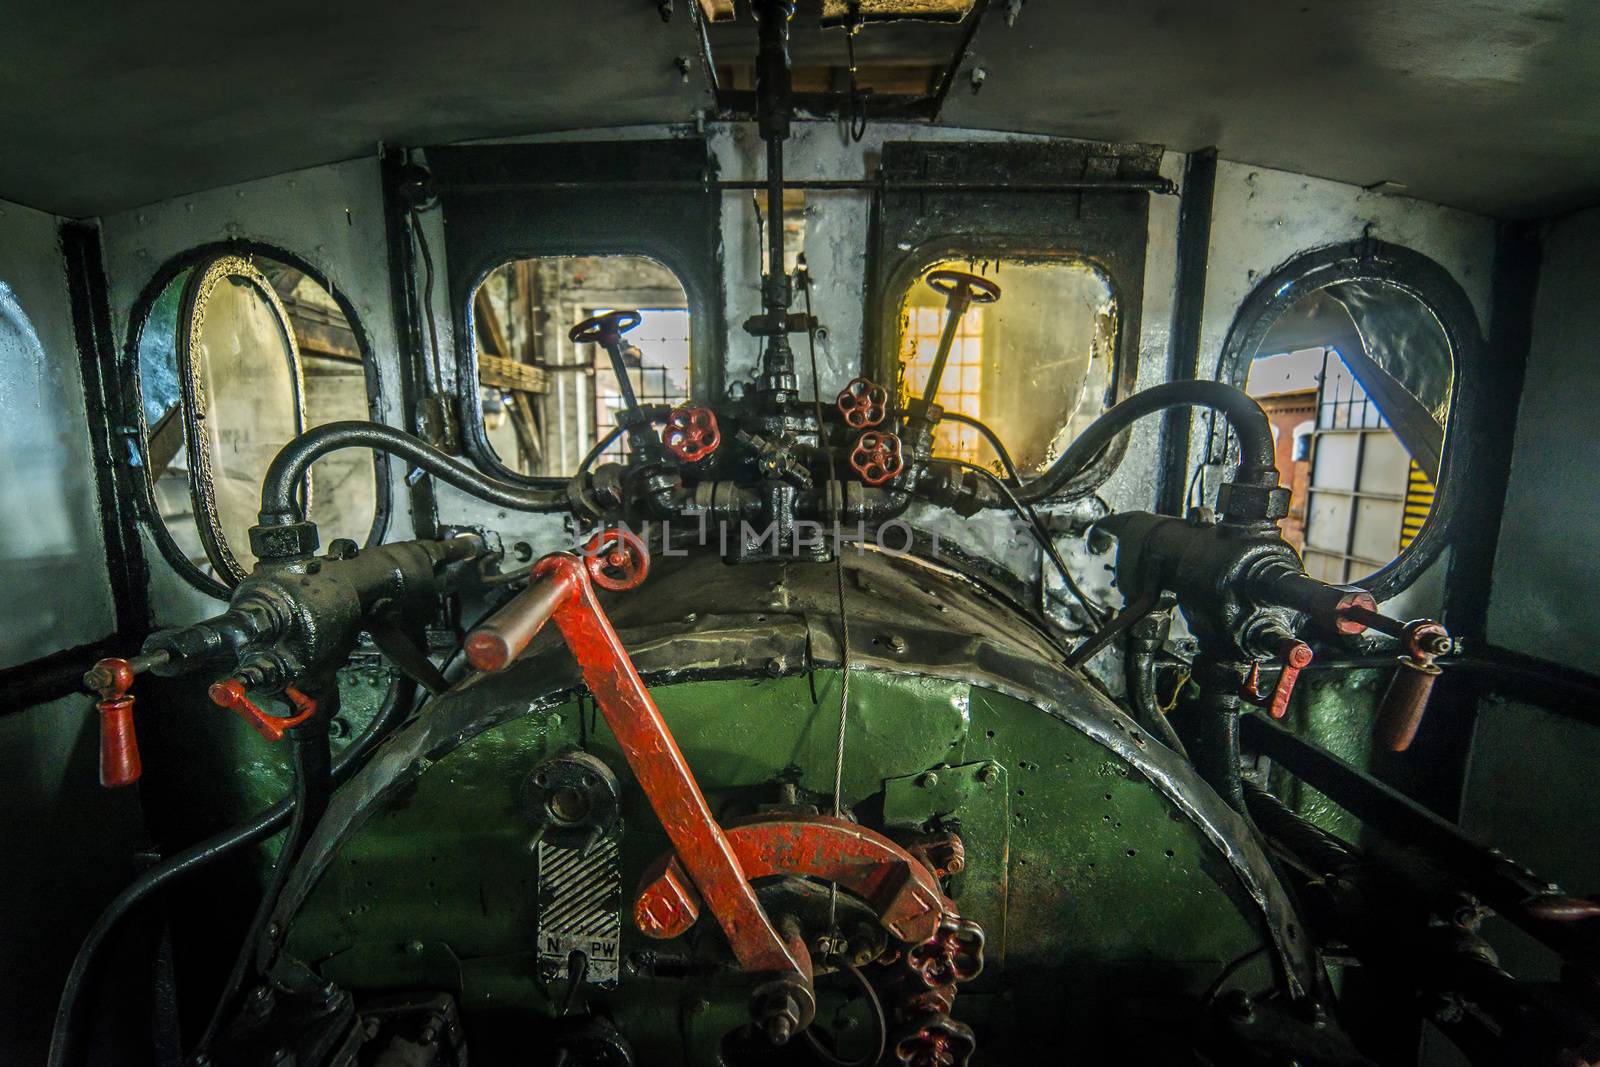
1546 568
331 217
56 594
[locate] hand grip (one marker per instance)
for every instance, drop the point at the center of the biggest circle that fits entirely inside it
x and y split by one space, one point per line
496 644
119 748
1405 701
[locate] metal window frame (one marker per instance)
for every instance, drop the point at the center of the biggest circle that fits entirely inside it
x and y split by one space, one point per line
144 500
934 205
1471 404
500 204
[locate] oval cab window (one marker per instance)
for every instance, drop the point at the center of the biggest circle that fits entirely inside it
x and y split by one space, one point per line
1037 365
1356 379
238 356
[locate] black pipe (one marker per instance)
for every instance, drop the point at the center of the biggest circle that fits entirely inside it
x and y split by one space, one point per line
396 708
1161 186
1257 464
310 758
289 466
1216 716
1145 638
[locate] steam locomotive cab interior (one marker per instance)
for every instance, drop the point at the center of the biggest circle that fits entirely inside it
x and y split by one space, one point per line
723 533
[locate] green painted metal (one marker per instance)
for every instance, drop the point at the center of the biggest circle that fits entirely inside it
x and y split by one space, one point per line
1094 889
1334 709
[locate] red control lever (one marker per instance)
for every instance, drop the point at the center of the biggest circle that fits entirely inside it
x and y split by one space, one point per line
1293 657
1405 702
231 694
119 747
563 590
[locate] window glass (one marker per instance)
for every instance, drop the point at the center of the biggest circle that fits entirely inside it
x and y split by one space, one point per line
1370 367
250 352
1037 365
547 401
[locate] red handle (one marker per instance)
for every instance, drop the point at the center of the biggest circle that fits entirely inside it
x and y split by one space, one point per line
119 748
1293 657
1406 700
231 694
1404 703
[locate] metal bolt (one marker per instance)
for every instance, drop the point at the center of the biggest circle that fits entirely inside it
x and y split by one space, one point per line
929 780
989 774
775 666
415 947
896 643
978 77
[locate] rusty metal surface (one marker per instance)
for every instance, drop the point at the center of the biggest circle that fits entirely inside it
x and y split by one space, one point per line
780 618
900 889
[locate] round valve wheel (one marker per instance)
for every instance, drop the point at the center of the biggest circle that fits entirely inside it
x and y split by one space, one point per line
616 559
877 457
606 329
979 290
691 433
863 404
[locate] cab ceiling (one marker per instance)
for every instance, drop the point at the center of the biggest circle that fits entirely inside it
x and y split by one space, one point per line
1488 105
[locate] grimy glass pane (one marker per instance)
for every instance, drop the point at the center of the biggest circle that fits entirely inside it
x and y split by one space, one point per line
1334 462
248 377
1385 464
1324 567
1328 521
1036 365
546 401
1377 532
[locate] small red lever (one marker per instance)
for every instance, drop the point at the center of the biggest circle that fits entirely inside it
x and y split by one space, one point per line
231 694
1294 656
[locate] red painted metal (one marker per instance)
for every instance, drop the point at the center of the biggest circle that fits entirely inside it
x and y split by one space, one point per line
231 694
863 403
1293 657
1406 699
954 953
900 888
120 764
691 434
663 774
876 457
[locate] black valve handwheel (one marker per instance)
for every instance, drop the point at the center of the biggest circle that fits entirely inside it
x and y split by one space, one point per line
979 290
604 328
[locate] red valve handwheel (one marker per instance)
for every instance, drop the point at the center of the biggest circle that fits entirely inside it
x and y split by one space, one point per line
863 403
691 434
877 457
616 559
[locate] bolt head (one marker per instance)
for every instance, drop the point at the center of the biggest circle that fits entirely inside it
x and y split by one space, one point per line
929 780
